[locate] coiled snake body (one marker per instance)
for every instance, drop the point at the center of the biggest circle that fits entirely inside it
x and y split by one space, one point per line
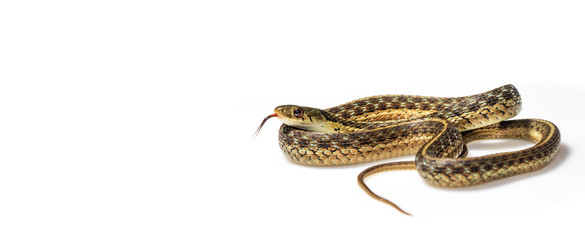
435 129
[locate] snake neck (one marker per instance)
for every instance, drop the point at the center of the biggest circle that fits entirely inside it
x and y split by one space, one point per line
335 124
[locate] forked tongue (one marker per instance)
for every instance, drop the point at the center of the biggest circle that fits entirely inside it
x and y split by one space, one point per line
262 124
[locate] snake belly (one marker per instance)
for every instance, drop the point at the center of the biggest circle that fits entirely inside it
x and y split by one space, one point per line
435 129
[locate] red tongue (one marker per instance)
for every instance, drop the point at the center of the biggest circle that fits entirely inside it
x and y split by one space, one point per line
262 124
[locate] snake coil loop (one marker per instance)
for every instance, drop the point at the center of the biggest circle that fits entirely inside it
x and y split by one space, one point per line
435 129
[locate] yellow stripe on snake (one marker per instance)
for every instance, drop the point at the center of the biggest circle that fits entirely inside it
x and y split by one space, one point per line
435 129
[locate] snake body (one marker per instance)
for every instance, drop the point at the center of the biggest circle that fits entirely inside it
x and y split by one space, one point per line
434 129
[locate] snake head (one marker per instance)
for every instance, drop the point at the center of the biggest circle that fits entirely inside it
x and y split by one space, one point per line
307 118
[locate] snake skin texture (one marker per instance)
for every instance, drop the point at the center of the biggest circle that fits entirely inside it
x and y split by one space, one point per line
434 129
385 135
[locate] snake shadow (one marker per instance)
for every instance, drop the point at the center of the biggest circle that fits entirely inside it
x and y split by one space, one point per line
561 157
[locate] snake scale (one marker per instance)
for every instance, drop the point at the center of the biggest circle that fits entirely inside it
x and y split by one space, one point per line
435 129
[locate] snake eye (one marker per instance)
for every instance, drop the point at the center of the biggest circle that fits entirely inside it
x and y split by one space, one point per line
298 112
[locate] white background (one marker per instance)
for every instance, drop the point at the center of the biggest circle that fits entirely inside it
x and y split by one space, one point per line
132 119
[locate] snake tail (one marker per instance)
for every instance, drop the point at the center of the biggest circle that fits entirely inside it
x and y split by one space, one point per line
404 165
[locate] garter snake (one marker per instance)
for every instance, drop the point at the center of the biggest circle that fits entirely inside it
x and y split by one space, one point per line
435 129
